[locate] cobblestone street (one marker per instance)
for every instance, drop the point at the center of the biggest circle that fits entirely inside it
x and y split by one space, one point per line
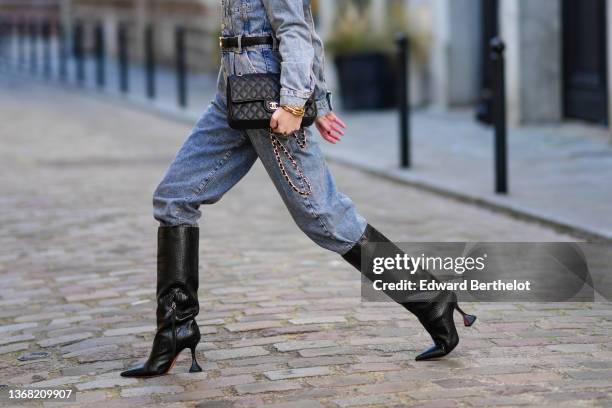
282 321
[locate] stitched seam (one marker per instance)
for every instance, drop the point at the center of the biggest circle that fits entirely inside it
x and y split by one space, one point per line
211 176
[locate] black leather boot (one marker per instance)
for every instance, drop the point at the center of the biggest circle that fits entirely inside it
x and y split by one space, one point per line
434 309
177 302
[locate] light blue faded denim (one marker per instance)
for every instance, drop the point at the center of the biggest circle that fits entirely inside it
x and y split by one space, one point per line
303 65
215 157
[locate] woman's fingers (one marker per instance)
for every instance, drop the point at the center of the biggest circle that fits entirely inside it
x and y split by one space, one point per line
327 133
337 130
274 122
337 120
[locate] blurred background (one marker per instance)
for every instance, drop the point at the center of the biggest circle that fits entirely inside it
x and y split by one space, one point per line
557 64
429 101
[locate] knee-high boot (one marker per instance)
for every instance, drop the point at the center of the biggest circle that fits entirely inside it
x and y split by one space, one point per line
177 302
434 309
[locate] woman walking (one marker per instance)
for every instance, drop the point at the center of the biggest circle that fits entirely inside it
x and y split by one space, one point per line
267 36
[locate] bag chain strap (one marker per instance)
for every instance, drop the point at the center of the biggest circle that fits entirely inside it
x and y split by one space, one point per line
277 146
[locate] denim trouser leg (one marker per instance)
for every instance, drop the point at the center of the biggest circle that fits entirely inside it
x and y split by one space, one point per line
215 157
212 160
327 216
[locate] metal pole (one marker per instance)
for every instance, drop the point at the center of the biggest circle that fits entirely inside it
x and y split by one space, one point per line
33 48
62 52
46 33
3 40
79 52
404 99
100 56
181 67
150 61
21 31
499 115
122 39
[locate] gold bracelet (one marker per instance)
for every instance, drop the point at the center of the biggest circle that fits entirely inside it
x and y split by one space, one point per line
297 111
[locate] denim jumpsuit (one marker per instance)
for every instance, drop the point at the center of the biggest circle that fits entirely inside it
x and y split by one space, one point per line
215 157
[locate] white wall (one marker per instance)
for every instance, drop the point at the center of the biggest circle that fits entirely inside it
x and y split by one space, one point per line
532 32
455 59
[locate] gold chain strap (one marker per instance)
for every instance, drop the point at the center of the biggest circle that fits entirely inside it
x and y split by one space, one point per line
278 146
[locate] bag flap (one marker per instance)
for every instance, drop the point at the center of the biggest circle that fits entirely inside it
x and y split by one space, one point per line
254 87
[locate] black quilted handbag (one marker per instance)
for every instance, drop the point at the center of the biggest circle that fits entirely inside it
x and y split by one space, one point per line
253 98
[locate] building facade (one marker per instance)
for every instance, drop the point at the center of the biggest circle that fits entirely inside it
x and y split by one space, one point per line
557 51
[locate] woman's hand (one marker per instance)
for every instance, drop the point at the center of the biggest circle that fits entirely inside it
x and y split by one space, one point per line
330 126
284 122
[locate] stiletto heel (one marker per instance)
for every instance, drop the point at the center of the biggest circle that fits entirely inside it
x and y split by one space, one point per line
468 319
195 367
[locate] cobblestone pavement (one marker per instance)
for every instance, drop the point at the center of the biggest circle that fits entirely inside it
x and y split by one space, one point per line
282 321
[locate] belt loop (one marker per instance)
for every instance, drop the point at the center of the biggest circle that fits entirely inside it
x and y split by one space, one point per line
274 42
240 43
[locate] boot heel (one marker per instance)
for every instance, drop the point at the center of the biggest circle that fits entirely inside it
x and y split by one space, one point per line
195 367
468 319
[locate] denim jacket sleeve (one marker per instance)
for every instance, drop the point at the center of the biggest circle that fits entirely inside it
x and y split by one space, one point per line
322 95
295 45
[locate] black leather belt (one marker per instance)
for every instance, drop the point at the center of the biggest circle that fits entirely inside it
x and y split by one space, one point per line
241 41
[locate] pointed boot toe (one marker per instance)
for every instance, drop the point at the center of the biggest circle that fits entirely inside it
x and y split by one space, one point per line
431 353
138 371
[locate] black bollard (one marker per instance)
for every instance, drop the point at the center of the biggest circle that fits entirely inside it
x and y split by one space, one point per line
33 48
79 52
100 56
181 67
404 99
21 33
499 114
62 52
122 39
150 61
3 40
46 35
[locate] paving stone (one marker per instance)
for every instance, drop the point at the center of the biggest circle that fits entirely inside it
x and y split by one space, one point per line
70 338
39 317
341 381
273 386
374 367
57 382
36 355
16 339
320 361
242 352
301 345
192 396
298 404
241 327
139 391
130 330
223 382
11 348
367 400
8 328
297 373
328 351
436 404
316 320
104 381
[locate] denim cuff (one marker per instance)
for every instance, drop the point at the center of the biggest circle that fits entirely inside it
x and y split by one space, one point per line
296 101
324 105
